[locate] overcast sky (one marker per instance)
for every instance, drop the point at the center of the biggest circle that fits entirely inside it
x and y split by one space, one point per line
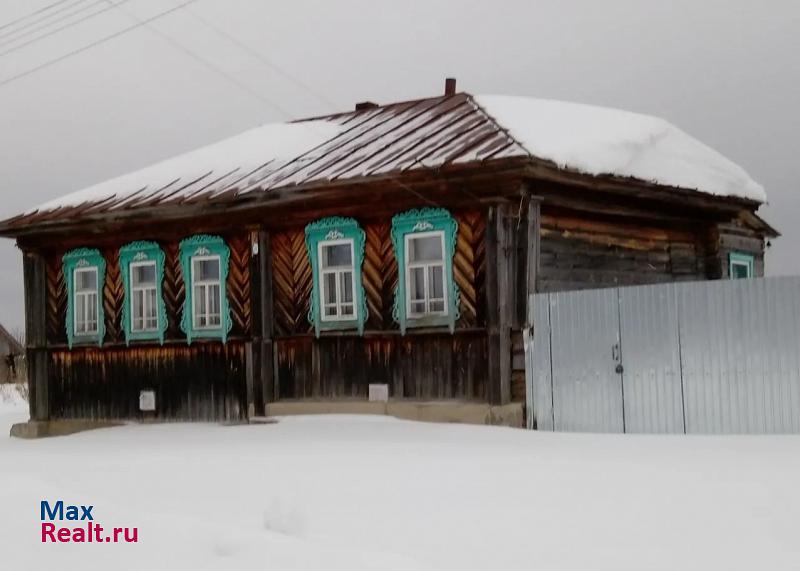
726 71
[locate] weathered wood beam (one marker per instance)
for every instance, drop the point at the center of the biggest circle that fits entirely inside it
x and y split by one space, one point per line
498 310
35 281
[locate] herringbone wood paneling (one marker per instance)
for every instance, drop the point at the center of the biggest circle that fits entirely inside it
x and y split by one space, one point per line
238 284
173 290
379 274
56 312
113 296
469 266
291 271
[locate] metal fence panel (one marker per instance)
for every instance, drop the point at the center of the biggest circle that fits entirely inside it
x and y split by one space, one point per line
587 390
739 347
651 378
538 371
704 357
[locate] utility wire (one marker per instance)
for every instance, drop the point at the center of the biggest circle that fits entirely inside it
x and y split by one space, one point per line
261 58
198 58
94 43
32 14
24 28
55 31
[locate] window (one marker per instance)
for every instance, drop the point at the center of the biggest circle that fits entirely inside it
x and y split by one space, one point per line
143 297
206 291
84 272
335 248
85 312
337 283
204 264
740 266
144 316
424 243
425 274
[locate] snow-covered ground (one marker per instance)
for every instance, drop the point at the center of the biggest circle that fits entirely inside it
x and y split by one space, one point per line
343 492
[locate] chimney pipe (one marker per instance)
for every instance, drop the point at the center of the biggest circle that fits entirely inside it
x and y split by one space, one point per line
450 86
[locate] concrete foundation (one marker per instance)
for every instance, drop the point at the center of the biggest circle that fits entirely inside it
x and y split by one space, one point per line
439 411
46 428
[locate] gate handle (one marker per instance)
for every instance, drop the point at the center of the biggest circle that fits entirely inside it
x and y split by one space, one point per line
615 351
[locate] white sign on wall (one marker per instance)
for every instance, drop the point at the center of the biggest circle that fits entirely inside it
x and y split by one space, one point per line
147 400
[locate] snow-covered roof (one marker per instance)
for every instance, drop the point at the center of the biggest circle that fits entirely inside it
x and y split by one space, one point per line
392 139
599 140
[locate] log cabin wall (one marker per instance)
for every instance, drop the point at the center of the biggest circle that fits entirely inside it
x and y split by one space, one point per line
202 381
582 252
429 364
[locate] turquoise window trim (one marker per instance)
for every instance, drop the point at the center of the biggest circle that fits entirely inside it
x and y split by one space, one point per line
738 258
205 245
419 221
336 228
76 259
142 252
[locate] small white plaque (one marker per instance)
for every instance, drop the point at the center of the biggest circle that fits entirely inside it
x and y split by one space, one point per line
378 392
147 401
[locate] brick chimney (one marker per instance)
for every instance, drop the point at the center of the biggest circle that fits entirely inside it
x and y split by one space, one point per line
450 86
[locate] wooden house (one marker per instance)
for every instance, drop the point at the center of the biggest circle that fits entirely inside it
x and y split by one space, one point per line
392 245
12 354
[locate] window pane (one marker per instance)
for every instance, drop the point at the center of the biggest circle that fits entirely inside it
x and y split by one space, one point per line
151 303
213 299
143 275
740 271
330 288
417 283
436 282
347 309
437 305
206 270
347 287
91 301
336 255
80 312
86 280
330 311
428 248
200 305
418 307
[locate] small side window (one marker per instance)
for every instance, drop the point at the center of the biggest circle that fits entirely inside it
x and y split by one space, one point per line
741 266
84 271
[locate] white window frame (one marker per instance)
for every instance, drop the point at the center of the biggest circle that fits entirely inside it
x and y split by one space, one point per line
134 289
338 271
745 260
87 294
409 265
206 283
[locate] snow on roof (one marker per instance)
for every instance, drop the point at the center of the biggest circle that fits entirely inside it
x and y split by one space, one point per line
427 133
248 155
598 140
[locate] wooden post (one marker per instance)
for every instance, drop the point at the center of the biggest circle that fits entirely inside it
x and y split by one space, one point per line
35 281
498 311
532 262
267 321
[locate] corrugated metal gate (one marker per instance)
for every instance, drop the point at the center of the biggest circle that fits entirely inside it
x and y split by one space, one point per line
704 357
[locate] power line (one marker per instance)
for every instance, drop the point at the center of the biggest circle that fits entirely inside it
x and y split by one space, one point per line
34 13
27 25
260 57
95 43
197 57
55 31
